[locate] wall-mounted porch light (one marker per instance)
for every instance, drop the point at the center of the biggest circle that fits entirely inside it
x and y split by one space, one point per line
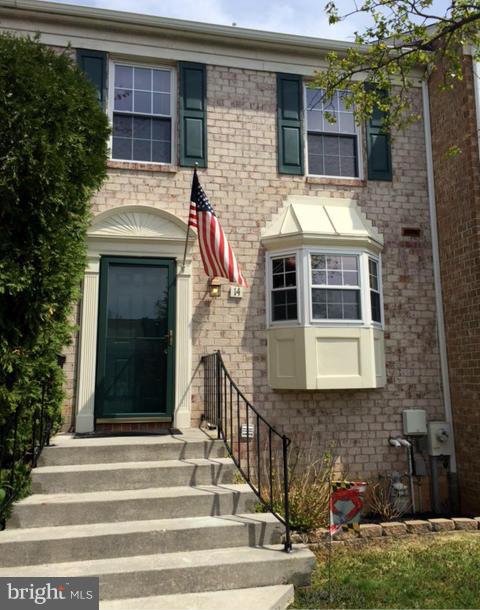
215 287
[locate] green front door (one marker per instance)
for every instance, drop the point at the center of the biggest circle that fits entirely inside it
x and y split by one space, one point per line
135 361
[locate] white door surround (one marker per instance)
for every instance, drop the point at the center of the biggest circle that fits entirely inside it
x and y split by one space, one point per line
143 231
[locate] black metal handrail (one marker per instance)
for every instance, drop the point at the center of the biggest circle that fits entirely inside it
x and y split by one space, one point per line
17 453
258 450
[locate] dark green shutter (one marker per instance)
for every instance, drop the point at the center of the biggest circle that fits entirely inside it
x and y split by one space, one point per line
193 114
378 148
94 64
289 124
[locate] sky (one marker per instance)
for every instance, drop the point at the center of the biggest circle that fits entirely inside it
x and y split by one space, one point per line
303 17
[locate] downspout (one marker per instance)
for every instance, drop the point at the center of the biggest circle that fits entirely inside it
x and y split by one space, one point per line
442 344
476 87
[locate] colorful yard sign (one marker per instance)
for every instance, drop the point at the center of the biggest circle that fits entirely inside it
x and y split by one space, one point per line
346 503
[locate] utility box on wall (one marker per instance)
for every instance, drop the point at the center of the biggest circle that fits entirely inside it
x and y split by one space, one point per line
439 438
414 422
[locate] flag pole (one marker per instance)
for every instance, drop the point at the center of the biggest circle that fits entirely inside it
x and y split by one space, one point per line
188 227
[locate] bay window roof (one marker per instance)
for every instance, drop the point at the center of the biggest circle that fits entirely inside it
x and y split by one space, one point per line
321 221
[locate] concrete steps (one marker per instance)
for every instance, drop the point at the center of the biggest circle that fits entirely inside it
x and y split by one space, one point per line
42 510
132 475
258 598
172 573
158 520
105 450
21 547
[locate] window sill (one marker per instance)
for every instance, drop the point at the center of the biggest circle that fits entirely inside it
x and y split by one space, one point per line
348 182
145 167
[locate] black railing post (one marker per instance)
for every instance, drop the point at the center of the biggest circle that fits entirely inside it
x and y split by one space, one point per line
25 450
14 451
288 542
239 449
218 387
34 436
270 473
218 383
41 424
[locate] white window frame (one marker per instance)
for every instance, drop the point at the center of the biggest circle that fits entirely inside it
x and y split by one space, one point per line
358 134
173 105
378 260
304 287
269 285
311 286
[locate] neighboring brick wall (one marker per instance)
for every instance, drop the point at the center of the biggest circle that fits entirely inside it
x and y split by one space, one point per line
246 191
457 185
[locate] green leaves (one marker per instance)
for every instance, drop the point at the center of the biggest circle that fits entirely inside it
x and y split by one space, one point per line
402 40
53 151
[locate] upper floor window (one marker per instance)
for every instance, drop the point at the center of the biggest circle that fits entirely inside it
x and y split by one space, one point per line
142 113
332 147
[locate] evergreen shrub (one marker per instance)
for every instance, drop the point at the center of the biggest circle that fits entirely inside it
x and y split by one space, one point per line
53 151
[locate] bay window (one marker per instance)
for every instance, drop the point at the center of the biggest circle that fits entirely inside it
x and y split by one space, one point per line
336 287
324 296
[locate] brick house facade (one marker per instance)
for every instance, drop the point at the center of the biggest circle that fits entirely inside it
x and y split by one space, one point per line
139 200
454 122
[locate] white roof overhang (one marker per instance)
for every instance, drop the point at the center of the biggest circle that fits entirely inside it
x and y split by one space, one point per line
321 221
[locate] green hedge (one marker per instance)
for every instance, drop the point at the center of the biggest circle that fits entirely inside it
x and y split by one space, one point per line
53 151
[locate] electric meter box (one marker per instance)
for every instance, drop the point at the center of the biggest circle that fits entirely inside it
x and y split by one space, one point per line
439 438
414 422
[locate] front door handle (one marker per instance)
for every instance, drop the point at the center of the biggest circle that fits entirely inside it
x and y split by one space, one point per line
169 338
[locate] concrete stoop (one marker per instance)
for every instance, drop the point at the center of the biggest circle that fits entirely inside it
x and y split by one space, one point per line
158 519
259 598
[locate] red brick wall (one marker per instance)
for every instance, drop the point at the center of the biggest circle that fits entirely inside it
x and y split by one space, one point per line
457 185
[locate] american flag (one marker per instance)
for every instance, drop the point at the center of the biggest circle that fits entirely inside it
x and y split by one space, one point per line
217 255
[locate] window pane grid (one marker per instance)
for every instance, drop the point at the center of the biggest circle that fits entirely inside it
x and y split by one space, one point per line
330 270
335 287
284 291
332 155
332 147
331 304
374 291
142 114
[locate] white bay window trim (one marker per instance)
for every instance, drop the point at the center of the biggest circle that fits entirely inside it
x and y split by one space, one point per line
269 285
378 261
118 60
338 287
305 285
316 354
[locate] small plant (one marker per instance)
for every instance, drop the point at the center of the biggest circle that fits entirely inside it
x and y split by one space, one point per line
386 497
310 476
309 492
